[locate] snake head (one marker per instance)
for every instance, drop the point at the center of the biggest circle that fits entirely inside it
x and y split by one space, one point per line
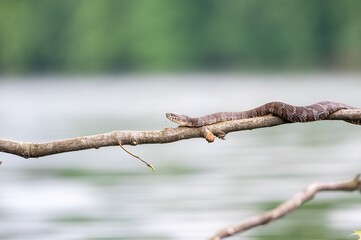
181 120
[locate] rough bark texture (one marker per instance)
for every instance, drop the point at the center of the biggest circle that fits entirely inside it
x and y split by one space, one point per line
35 150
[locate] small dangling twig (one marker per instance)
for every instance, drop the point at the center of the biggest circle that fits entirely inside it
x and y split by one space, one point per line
131 154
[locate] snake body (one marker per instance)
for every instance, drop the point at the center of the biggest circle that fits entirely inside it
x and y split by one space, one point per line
314 112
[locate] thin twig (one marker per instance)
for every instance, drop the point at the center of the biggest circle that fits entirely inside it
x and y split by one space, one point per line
133 155
288 206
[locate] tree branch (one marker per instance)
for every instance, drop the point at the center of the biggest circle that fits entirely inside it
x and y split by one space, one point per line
35 150
288 206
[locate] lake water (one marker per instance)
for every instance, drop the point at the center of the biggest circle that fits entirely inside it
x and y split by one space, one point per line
197 188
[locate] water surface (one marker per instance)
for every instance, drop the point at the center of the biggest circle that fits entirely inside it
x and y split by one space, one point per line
198 187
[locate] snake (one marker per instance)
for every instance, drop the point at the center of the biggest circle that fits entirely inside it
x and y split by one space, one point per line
288 112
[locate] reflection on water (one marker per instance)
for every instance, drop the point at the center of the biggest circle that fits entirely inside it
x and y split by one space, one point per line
198 187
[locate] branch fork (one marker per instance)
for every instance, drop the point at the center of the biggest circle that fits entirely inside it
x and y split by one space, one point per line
288 206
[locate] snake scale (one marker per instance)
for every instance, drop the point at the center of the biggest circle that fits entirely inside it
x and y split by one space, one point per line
290 113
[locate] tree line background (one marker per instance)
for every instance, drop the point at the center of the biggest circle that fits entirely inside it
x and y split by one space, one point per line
94 36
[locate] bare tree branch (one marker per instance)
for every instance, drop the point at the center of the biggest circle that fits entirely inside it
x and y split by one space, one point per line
35 150
120 138
288 206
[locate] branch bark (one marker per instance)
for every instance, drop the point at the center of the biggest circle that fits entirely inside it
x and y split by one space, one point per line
288 206
35 150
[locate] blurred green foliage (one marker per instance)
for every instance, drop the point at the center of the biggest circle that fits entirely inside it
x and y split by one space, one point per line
94 36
